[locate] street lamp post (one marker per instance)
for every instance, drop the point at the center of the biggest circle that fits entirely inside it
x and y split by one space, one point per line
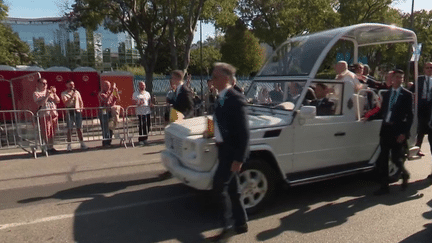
409 47
201 62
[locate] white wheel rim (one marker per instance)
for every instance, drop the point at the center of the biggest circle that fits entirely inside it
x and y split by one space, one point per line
253 187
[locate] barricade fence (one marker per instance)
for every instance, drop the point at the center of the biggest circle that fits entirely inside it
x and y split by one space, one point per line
141 125
95 124
47 128
18 129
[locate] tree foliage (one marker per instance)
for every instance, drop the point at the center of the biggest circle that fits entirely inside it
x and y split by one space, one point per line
423 29
210 54
13 51
274 21
145 21
150 23
366 11
242 49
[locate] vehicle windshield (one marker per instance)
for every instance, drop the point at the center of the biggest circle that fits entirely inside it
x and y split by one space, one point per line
276 94
296 57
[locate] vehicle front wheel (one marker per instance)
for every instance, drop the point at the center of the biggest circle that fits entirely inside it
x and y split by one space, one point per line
257 184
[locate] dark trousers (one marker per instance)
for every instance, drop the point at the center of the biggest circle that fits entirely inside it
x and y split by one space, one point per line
143 126
226 187
106 132
389 144
422 130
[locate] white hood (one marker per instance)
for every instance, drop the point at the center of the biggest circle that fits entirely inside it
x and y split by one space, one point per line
197 125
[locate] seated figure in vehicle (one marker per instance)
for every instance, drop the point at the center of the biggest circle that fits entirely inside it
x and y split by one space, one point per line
324 106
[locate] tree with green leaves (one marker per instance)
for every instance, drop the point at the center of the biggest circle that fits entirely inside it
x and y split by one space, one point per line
274 21
13 51
423 29
148 22
210 55
242 49
367 11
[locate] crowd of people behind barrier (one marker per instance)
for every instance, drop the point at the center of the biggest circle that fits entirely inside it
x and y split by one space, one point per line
185 102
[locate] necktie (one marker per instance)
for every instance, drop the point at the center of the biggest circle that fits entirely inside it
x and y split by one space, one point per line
392 99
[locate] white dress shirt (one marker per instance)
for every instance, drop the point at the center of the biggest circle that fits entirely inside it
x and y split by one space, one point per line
218 135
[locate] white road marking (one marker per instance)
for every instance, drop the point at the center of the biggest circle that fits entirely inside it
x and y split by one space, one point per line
68 216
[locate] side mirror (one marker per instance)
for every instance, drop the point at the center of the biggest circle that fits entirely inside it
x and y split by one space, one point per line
307 112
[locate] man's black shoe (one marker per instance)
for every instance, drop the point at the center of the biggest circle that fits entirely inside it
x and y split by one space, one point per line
382 191
430 177
224 236
241 229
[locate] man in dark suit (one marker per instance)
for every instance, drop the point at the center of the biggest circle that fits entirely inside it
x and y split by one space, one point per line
424 106
232 138
396 110
324 107
183 99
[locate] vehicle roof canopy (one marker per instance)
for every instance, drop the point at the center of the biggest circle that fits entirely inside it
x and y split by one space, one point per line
302 55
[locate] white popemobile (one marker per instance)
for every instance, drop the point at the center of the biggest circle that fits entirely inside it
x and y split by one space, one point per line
291 141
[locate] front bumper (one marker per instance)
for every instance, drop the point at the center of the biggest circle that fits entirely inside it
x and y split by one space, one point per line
197 180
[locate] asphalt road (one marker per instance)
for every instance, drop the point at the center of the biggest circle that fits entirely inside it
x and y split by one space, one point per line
115 195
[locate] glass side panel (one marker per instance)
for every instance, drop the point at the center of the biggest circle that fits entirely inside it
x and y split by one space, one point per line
275 93
296 57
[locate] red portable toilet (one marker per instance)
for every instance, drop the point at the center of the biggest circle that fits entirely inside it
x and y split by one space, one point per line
57 77
23 87
87 82
124 82
6 74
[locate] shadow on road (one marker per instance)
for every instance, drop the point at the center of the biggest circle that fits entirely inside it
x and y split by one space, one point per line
426 234
176 212
92 190
305 219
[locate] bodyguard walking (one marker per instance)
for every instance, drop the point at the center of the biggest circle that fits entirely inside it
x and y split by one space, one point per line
424 105
397 120
232 138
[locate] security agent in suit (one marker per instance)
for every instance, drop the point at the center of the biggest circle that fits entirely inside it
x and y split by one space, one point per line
324 107
397 116
232 138
183 99
424 105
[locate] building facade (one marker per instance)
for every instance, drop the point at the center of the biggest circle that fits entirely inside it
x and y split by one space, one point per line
53 44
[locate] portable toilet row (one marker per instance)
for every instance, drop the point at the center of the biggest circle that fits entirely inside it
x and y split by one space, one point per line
87 81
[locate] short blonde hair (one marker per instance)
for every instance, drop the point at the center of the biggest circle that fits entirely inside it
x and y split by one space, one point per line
227 69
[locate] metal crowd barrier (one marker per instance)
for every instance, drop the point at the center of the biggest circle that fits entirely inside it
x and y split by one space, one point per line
158 122
28 131
18 129
92 130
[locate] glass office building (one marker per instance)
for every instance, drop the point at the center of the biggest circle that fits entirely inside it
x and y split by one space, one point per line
54 44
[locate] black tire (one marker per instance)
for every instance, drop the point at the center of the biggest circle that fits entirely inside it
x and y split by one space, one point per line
258 184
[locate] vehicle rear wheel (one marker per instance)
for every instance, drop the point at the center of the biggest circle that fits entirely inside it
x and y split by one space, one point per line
257 184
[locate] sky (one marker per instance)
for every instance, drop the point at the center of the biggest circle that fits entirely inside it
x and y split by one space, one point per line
53 8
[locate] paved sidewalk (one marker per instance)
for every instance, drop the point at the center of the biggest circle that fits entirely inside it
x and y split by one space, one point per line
22 170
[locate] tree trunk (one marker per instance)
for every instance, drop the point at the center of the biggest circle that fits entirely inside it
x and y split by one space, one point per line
192 23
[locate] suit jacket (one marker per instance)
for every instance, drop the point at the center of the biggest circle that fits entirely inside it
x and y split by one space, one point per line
323 108
402 116
183 101
232 121
424 106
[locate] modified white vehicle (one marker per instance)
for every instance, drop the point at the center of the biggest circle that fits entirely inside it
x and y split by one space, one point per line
290 140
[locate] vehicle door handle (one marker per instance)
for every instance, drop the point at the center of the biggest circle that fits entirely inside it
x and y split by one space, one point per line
339 134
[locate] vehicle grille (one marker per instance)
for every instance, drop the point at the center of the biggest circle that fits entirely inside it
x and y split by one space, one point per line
174 144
